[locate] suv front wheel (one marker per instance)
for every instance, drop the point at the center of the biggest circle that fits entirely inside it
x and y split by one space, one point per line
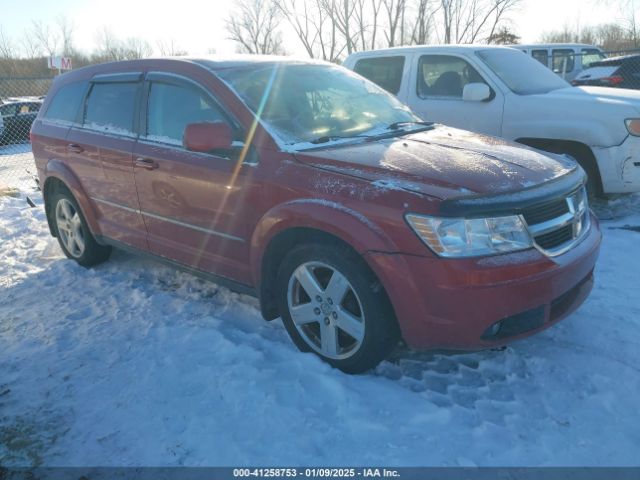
333 305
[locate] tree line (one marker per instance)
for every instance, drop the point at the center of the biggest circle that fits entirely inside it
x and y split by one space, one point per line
331 29
324 29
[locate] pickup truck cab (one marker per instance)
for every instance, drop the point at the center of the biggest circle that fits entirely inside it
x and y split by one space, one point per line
503 92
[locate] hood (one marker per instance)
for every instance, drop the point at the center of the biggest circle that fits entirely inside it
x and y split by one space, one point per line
602 95
443 162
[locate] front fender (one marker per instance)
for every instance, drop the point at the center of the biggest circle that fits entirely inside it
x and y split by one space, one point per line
57 169
327 216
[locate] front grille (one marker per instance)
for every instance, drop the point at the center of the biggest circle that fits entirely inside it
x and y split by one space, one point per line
557 225
545 212
555 238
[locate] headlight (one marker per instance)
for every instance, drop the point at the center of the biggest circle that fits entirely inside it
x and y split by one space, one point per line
460 237
633 126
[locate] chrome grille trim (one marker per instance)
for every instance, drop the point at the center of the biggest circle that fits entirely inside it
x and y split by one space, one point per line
578 217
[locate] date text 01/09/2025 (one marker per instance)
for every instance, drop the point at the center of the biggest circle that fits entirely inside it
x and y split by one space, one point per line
315 472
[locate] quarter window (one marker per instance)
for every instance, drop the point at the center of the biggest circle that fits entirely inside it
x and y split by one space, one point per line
384 71
563 61
173 107
445 76
66 102
110 107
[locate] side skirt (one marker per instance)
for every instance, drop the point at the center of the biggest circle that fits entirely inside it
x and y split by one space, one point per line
222 281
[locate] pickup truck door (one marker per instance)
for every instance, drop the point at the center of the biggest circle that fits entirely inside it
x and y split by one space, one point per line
435 93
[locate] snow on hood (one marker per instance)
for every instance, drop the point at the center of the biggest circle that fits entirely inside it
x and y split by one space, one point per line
442 162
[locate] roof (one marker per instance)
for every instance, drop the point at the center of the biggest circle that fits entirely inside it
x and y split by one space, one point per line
420 48
215 62
555 45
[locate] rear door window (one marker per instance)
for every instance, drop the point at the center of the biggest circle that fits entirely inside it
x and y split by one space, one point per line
110 107
445 76
173 107
384 71
542 56
65 104
563 60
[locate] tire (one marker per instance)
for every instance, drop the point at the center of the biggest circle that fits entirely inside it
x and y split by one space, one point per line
341 311
72 231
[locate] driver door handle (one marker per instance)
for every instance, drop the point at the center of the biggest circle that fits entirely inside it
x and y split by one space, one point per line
146 163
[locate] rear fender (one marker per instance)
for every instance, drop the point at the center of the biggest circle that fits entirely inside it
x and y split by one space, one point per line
56 169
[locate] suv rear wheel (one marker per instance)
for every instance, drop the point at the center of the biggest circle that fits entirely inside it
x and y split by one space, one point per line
72 231
333 305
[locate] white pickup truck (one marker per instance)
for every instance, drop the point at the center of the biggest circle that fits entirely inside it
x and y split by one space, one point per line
503 92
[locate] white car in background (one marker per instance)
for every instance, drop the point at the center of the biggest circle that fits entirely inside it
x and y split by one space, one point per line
565 59
504 92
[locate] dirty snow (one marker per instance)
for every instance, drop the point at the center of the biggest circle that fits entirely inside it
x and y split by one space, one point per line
134 363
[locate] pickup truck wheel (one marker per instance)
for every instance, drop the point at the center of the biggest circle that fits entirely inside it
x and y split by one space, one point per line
332 304
73 234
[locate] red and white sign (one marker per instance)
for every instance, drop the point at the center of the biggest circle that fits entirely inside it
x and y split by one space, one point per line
60 63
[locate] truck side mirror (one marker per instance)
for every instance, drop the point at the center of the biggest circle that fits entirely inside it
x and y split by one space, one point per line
476 92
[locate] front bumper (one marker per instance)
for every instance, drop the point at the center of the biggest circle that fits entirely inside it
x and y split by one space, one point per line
453 303
620 166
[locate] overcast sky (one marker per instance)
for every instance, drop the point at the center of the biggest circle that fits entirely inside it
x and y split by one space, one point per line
197 25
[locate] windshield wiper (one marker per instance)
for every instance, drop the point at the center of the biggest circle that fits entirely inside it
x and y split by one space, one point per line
328 138
397 125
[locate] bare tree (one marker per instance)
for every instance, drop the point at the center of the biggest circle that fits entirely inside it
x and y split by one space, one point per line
66 28
110 48
470 21
7 49
46 39
423 24
169 48
254 27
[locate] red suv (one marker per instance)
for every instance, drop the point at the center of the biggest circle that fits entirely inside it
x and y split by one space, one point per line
313 189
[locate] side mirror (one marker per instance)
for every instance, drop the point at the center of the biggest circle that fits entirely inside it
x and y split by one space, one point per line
476 92
207 136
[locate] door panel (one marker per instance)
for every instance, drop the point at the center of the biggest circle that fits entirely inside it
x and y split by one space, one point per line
437 95
193 208
105 167
101 153
193 204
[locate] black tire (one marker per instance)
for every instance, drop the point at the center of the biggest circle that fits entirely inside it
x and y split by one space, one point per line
381 332
92 253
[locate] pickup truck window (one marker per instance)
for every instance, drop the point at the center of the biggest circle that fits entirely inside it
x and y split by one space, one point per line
384 71
445 76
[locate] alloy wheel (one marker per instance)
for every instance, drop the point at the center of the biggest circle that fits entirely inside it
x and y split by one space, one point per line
326 310
70 228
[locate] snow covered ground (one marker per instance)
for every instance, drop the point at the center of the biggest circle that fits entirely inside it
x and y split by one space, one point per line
134 363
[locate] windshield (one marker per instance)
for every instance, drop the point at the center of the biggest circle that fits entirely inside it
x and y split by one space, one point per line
521 73
300 103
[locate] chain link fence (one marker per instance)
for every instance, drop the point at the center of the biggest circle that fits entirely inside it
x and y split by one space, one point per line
20 100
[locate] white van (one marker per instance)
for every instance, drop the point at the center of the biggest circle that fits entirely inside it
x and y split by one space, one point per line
565 59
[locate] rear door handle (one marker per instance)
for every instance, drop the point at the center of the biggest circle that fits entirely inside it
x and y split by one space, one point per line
146 163
75 148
